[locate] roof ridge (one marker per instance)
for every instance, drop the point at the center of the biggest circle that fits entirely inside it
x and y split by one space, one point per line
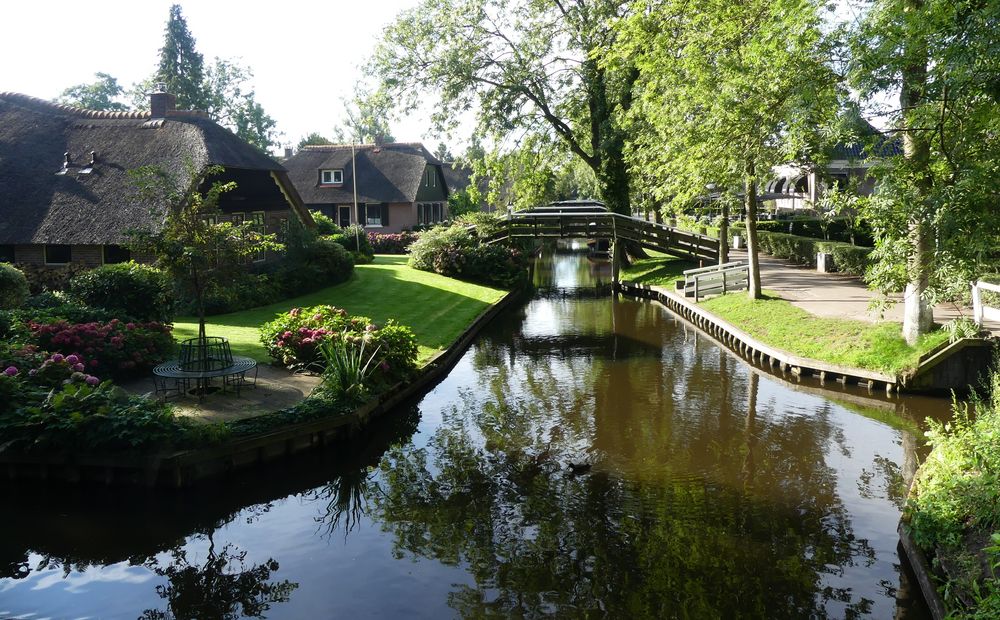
361 145
36 103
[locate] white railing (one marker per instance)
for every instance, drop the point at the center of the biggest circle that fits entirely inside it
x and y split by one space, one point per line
981 312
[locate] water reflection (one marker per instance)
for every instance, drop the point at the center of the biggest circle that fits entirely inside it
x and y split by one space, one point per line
705 488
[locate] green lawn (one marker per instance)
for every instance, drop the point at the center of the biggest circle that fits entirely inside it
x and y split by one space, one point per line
437 308
659 270
774 321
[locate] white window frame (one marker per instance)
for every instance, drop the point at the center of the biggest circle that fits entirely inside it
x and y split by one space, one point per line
335 175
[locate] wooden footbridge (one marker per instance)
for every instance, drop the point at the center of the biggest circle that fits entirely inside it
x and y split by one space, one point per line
612 226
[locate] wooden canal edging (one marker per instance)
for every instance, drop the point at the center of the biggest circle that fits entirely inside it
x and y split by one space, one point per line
922 569
187 467
756 351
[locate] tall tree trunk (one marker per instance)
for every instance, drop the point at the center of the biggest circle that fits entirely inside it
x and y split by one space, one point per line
918 315
724 234
750 191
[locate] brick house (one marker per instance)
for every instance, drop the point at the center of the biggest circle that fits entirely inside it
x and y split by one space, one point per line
66 196
399 185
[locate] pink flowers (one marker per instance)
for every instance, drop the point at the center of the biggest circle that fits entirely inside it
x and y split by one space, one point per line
92 380
11 371
108 346
294 312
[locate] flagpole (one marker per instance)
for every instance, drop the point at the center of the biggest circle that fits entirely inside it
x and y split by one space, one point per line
354 184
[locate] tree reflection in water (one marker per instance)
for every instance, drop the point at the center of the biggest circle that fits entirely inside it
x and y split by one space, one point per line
224 587
720 506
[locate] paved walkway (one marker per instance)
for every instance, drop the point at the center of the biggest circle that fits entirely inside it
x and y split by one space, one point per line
276 389
837 295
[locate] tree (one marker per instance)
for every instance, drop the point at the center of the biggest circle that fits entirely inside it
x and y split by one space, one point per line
104 94
526 67
182 68
367 118
934 210
195 249
727 91
443 153
231 102
311 139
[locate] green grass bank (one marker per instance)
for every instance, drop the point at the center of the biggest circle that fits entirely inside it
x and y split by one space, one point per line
953 512
437 308
780 324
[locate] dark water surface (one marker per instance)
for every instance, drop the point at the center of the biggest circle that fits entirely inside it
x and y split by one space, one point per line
713 490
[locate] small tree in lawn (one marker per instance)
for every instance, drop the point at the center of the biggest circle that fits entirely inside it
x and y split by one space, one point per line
195 249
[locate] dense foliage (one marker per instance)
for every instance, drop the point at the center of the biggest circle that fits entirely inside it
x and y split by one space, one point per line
13 286
129 289
294 339
392 243
954 507
848 258
457 252
354 238
45 278
114 349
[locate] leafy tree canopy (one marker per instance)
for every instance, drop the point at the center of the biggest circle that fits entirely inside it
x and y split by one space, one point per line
313 138
103 94
525 67
182 68
366 118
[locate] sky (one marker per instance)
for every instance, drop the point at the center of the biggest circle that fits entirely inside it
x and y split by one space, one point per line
305 55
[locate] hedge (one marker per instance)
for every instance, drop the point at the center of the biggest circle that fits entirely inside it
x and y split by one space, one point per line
847 258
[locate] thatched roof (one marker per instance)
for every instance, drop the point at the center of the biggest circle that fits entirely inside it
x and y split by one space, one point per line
37 205
385 173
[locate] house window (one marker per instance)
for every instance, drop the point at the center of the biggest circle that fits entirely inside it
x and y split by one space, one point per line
437 212
58 254
373 215
331 177
238 218
211 220
6 254
257 217
116 254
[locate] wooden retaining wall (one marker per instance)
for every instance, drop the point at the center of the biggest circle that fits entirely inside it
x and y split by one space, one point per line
755 351
188 467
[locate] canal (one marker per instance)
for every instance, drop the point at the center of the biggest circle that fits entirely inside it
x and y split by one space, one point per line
586 456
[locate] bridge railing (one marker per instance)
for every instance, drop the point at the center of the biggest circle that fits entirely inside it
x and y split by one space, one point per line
980 310
610 225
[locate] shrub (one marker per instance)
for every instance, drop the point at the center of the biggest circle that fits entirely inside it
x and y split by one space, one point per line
13 286
354 238
139 291
455 252
85 417
392 243
324 223
847 258
294 338
114 349
43 278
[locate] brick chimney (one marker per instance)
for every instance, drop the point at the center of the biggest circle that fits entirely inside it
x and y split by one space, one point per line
288 152
161 102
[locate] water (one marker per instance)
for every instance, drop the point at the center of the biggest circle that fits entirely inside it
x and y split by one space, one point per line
703 488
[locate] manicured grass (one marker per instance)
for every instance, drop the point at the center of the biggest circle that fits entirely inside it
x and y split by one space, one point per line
774 321
659 269
437 308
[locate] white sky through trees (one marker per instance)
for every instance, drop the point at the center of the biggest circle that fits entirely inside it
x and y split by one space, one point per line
305 55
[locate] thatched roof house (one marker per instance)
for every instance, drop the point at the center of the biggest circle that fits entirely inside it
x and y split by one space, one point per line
399 185
65 192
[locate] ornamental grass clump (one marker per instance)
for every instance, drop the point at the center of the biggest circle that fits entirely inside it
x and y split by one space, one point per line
349 364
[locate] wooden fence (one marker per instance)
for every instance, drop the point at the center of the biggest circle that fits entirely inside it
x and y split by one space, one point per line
649 235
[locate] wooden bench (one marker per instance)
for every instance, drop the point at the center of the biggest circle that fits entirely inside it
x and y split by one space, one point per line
715 280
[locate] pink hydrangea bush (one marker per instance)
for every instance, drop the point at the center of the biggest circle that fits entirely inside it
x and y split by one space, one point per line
294 337
113 349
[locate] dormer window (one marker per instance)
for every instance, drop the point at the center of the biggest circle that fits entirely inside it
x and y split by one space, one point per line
331 177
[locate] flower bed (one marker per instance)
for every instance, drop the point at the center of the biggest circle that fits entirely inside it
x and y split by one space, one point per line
294 339
114 349
392 243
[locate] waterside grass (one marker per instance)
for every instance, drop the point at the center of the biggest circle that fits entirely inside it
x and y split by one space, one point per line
437 308
859 344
